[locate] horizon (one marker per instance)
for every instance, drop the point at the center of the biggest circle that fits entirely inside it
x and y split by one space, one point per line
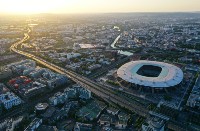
29 7
100 13
100 65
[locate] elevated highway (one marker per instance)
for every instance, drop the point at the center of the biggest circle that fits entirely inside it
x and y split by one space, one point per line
102 91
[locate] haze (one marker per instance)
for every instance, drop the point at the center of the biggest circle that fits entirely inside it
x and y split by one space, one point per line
97 6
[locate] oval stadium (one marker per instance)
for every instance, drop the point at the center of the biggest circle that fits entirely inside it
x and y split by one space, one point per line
149 75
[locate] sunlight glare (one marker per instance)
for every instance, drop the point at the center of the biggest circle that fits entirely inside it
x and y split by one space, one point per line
31 6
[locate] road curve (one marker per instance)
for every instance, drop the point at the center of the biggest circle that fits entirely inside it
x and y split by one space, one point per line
98 89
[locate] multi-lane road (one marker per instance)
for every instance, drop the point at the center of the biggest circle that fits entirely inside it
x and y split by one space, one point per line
102 91
98 89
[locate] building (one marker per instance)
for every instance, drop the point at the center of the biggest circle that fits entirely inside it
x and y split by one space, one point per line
5 73
7 98
59 115
19 67
154 124
49 78
105 120
47 116
37 88
53 101
47 128
34 125
73 55
58 98
78 46
70 92
149 75
82 127
123 120
59 80
82 92
194 98
112 111
26 87
41 108
91 111
10 124
27 68
94 67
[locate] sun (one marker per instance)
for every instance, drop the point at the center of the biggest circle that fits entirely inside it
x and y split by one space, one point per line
31 6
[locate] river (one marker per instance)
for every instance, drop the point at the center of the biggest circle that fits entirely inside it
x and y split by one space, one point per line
120 51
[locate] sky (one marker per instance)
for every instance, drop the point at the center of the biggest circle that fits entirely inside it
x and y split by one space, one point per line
96 6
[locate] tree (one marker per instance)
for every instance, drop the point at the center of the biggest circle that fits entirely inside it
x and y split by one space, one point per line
167 98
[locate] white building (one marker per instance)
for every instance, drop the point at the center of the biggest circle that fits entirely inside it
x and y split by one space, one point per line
73 55
154 124
7 98
94 66
34 125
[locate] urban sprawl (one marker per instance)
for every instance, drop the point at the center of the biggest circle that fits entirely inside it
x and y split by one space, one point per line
104 72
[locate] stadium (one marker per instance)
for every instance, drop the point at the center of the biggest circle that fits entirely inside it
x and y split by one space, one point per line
151 76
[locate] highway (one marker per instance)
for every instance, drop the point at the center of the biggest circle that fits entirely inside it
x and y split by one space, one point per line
98 89
102 91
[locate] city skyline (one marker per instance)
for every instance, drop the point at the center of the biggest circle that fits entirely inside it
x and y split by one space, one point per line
97 6
76 65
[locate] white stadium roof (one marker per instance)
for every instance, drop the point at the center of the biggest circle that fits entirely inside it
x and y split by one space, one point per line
170 75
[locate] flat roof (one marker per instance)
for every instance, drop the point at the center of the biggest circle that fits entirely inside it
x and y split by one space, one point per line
89 46
170 75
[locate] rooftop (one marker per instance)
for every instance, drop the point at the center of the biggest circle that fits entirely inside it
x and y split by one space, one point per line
155 74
